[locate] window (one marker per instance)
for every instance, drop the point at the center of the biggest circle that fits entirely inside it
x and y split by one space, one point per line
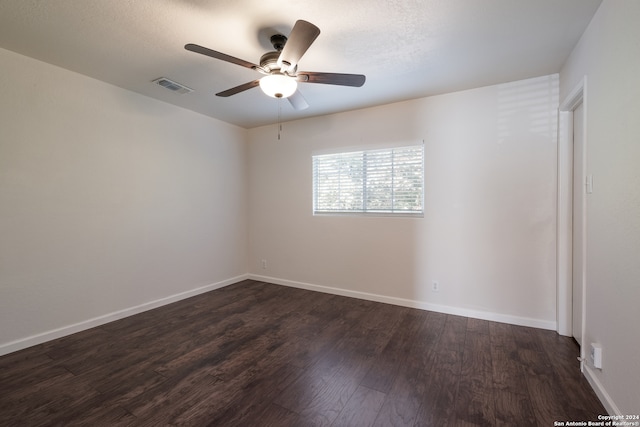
388 181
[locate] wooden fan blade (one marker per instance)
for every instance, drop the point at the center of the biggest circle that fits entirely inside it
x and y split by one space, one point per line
297 101
355 80
239 89
302 35
218 55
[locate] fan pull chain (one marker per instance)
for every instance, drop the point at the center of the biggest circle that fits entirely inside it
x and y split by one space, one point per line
279 117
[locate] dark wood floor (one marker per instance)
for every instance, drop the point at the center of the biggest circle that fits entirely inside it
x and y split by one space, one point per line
255 354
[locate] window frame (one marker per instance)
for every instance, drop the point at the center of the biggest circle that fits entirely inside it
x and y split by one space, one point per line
365 210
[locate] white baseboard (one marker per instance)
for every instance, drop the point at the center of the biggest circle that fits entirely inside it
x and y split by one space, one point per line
476 314
602 394
23 343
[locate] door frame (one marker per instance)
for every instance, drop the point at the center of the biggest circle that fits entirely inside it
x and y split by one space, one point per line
564 275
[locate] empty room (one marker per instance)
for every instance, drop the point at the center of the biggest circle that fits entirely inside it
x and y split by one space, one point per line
365 213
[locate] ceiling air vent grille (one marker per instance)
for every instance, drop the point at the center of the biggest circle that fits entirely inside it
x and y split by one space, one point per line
172 86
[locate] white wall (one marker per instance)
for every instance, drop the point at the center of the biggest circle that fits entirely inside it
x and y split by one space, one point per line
109 202
488 233
609 55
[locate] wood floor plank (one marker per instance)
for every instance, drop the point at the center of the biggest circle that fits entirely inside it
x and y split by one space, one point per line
513 409
475 401
226 396
562 353
283 328
385 367
511 394
22 378
439 406
322 328
12 399
276 416
508 374
546 390
320 394
260 354
255 400
362 408
544 398
20 362
48 403
411 386
327 398
167 401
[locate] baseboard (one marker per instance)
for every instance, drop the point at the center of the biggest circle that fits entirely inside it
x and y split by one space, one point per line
23 343
476 314
602 394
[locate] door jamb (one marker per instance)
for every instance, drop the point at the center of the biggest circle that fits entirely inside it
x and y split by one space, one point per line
564 275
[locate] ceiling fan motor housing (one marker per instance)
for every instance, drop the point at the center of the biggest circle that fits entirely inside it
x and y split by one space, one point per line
269 61
277 84
278 41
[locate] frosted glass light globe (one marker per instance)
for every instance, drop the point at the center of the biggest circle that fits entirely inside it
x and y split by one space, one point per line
278 85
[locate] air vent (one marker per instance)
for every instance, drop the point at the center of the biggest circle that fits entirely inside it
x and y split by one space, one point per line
172 86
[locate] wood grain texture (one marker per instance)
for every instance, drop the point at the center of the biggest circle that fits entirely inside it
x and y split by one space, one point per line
475 402
264 355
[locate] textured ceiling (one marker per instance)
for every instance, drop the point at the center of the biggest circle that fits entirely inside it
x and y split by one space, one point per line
406 48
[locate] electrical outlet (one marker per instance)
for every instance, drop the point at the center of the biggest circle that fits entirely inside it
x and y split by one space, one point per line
435 286
264 264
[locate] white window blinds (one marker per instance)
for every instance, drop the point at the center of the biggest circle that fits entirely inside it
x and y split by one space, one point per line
387 181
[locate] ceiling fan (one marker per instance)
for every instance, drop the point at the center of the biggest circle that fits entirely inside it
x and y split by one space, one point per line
280 67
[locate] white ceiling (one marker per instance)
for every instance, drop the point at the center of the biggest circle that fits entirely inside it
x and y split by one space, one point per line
406 48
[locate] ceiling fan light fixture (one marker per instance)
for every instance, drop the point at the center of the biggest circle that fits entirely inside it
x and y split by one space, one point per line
280 67
278 85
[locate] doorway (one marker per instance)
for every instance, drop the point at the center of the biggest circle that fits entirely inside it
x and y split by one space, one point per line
571 214
578 241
